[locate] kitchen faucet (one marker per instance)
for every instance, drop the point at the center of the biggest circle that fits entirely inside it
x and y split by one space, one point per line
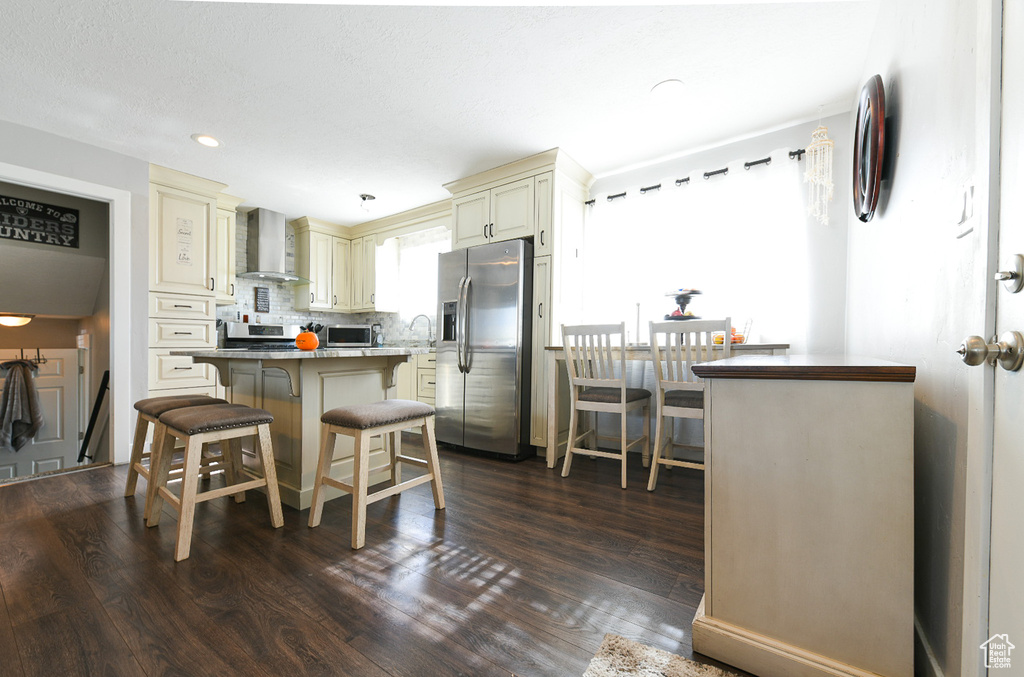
430 330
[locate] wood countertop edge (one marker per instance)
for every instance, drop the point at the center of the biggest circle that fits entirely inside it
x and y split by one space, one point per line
881 373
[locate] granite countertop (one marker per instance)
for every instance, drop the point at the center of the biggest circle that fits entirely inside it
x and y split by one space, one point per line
320 353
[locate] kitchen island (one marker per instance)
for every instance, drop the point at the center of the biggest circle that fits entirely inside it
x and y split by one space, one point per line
296 387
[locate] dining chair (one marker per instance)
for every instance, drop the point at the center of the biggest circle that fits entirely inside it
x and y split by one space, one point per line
597 380
675 348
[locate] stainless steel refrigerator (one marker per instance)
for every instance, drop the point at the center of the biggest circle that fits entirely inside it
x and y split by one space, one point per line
483 349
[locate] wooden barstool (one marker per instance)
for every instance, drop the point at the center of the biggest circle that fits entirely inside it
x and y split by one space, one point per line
150 410
363 422
195 426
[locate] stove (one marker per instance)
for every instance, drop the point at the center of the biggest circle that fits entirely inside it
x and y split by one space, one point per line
260 336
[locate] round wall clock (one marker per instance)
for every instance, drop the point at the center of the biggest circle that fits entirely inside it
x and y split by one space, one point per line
869 148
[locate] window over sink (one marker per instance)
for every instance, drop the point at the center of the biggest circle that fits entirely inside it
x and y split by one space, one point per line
407 274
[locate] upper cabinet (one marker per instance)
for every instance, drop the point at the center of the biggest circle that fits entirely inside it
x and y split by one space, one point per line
224 274
183 232
340 270
323 258
502 213
364 273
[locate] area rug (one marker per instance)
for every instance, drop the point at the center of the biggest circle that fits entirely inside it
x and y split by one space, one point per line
621 657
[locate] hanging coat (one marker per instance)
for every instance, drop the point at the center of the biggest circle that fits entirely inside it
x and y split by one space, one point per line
20 415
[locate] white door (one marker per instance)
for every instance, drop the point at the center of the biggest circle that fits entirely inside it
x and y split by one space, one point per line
1006 591
56 445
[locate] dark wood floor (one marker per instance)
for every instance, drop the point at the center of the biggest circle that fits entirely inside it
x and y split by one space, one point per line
523 574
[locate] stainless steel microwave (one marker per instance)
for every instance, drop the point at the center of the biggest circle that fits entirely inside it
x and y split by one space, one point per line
350 336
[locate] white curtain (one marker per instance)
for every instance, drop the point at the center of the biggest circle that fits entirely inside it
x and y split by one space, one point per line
741 239
406 268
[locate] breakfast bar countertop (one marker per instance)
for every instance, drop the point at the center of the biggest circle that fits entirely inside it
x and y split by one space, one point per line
289 354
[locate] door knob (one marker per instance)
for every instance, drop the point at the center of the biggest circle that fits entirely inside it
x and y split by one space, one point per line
1013 279
1008 350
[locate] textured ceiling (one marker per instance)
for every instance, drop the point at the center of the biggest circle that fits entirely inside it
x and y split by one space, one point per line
315 104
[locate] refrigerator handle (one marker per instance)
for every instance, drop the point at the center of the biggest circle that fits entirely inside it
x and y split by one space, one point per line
467 289
458 327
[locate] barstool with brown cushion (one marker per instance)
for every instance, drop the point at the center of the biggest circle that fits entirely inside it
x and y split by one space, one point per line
200 425
362 422
149 412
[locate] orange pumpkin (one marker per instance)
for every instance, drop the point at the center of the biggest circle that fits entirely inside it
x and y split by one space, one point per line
307 340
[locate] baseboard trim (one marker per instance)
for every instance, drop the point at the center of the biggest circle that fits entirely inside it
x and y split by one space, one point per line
924 657
762 655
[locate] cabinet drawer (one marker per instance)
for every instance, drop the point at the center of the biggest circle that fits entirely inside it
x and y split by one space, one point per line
426 361
177 371
181 334
425 383
181 306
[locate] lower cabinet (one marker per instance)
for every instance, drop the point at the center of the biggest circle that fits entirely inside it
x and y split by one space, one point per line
180 322
416 379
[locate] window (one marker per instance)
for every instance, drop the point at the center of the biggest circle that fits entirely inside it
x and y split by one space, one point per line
407 273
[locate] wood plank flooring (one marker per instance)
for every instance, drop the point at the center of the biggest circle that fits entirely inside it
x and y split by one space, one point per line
523 574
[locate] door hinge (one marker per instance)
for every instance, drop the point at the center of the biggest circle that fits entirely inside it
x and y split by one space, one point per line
81 436
81 369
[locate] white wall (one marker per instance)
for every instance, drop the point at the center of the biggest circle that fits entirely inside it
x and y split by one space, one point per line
825 245
915 290
38 151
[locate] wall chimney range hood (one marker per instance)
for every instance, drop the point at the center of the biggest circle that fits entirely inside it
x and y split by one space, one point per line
265 248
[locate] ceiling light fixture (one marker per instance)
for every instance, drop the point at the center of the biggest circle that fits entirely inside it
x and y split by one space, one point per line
206 140
668 91
366 197
14 320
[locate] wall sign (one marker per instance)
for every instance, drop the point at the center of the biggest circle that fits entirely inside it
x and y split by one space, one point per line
262 299
31 221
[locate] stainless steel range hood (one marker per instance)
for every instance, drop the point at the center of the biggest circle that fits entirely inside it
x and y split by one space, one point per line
265 248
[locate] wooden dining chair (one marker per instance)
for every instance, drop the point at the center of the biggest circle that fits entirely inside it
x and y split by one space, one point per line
675 348
597 382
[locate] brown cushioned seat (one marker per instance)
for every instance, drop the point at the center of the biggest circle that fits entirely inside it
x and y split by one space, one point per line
386 412
154 406
691 399
201 419
612 395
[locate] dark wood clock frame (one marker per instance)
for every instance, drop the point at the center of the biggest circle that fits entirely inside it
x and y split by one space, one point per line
869 148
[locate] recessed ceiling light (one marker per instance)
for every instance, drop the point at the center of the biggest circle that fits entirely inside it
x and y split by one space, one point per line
206 140
668 90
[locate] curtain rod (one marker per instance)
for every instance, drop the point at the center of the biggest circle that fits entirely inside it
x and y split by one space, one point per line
797 155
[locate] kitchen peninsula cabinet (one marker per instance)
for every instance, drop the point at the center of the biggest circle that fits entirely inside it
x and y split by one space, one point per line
541 197
296 387
809 504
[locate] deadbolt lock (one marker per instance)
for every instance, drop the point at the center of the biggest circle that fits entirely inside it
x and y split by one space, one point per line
1007 350
1013 277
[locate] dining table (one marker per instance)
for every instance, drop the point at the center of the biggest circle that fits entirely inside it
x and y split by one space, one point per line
557 395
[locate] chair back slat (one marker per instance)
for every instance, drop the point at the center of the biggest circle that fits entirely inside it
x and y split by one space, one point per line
589 355
677 346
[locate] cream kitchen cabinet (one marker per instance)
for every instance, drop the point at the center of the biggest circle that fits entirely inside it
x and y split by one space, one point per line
224 276
540 197
177 322
364 273
183 232
501 213
324 259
